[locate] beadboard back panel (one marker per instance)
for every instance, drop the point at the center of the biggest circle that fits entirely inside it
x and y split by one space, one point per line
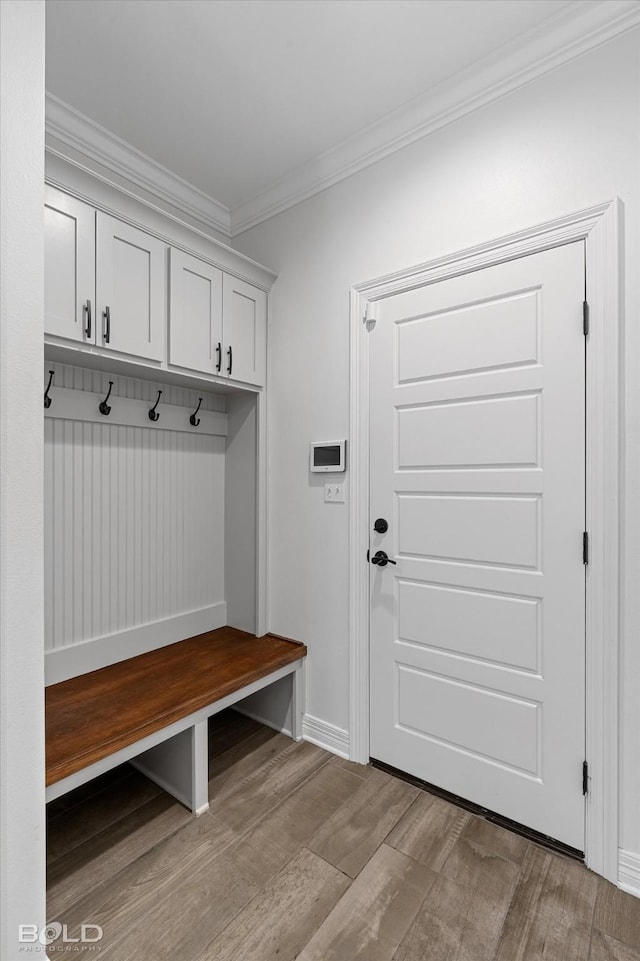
134 518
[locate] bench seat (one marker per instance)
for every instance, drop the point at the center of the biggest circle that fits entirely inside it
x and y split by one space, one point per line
97 720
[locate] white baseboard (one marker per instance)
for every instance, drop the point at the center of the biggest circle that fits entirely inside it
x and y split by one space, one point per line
66 662
629 872
331 738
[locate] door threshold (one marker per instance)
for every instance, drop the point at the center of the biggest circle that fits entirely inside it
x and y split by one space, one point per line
541 839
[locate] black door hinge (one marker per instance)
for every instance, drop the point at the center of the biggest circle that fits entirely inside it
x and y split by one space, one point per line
585 547
585 318
585 777
368 555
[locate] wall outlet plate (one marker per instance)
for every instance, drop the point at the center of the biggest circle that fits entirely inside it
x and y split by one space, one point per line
333 493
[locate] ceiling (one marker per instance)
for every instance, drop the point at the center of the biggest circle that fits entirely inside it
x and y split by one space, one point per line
235 96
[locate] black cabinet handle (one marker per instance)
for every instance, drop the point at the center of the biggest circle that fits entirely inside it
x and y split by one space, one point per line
219 360
106 336
86 310
230 356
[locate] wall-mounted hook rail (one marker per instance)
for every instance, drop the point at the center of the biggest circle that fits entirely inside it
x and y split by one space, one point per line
153 413
104 407
47 399
193 420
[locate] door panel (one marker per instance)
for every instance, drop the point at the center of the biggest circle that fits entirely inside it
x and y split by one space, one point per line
492 432
506 629
477 461
501 332
244 322
468 719
195 314
69 264
131 284
480 529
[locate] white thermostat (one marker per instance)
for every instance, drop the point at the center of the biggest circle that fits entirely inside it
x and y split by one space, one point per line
328 457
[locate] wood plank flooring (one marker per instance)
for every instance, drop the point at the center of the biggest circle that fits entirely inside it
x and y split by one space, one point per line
305 856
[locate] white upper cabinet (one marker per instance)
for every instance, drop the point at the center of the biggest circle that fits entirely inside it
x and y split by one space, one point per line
70 267
106 290
244 328
130 289
195 314
217 324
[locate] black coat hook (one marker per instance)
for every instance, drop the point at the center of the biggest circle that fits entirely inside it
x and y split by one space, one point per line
47 399
153 413
193 420
104 407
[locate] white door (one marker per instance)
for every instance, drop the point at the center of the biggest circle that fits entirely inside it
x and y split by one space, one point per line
130 289
244 325
478 466
195 314
69 267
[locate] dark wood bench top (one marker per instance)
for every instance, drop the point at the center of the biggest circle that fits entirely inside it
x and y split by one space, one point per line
94 715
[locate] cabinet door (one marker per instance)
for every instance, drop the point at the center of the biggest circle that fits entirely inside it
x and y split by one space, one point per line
195 314
69 267
130 288
244 327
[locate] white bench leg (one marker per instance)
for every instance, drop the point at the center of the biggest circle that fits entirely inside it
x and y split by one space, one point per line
180 766
298 694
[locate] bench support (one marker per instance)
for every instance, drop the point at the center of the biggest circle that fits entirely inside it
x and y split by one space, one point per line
179 765
298 694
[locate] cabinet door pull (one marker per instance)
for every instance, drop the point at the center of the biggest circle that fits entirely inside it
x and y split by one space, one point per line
87 313
219 360
230 356
106 336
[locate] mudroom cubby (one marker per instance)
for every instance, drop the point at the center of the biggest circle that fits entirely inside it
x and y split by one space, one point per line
155 492
150 525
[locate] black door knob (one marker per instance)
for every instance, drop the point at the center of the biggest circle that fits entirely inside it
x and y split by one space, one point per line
381 526
381 558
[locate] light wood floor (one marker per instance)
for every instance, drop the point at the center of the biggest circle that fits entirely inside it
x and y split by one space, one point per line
306 856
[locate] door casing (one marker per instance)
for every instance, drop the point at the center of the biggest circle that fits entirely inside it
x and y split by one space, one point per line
598 226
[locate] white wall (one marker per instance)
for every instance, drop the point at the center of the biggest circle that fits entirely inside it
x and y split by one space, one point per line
564 142
22 855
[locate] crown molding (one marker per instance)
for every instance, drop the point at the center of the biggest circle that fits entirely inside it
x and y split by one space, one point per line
71 129
557 41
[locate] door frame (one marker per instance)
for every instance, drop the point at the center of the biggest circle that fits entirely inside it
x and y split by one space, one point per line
599 227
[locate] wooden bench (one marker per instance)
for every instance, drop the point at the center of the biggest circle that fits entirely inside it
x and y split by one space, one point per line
154 708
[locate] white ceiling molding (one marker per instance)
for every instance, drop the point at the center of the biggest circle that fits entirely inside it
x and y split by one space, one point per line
573 32
558 41
70 128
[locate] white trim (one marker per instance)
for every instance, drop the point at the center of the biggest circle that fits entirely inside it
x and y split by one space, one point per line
331 738
557 41
73 129
71 404
358 500
64 662
599 227
629 872
574 31
262 516
93 187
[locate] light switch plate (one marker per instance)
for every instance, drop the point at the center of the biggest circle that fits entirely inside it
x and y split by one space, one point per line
333 493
